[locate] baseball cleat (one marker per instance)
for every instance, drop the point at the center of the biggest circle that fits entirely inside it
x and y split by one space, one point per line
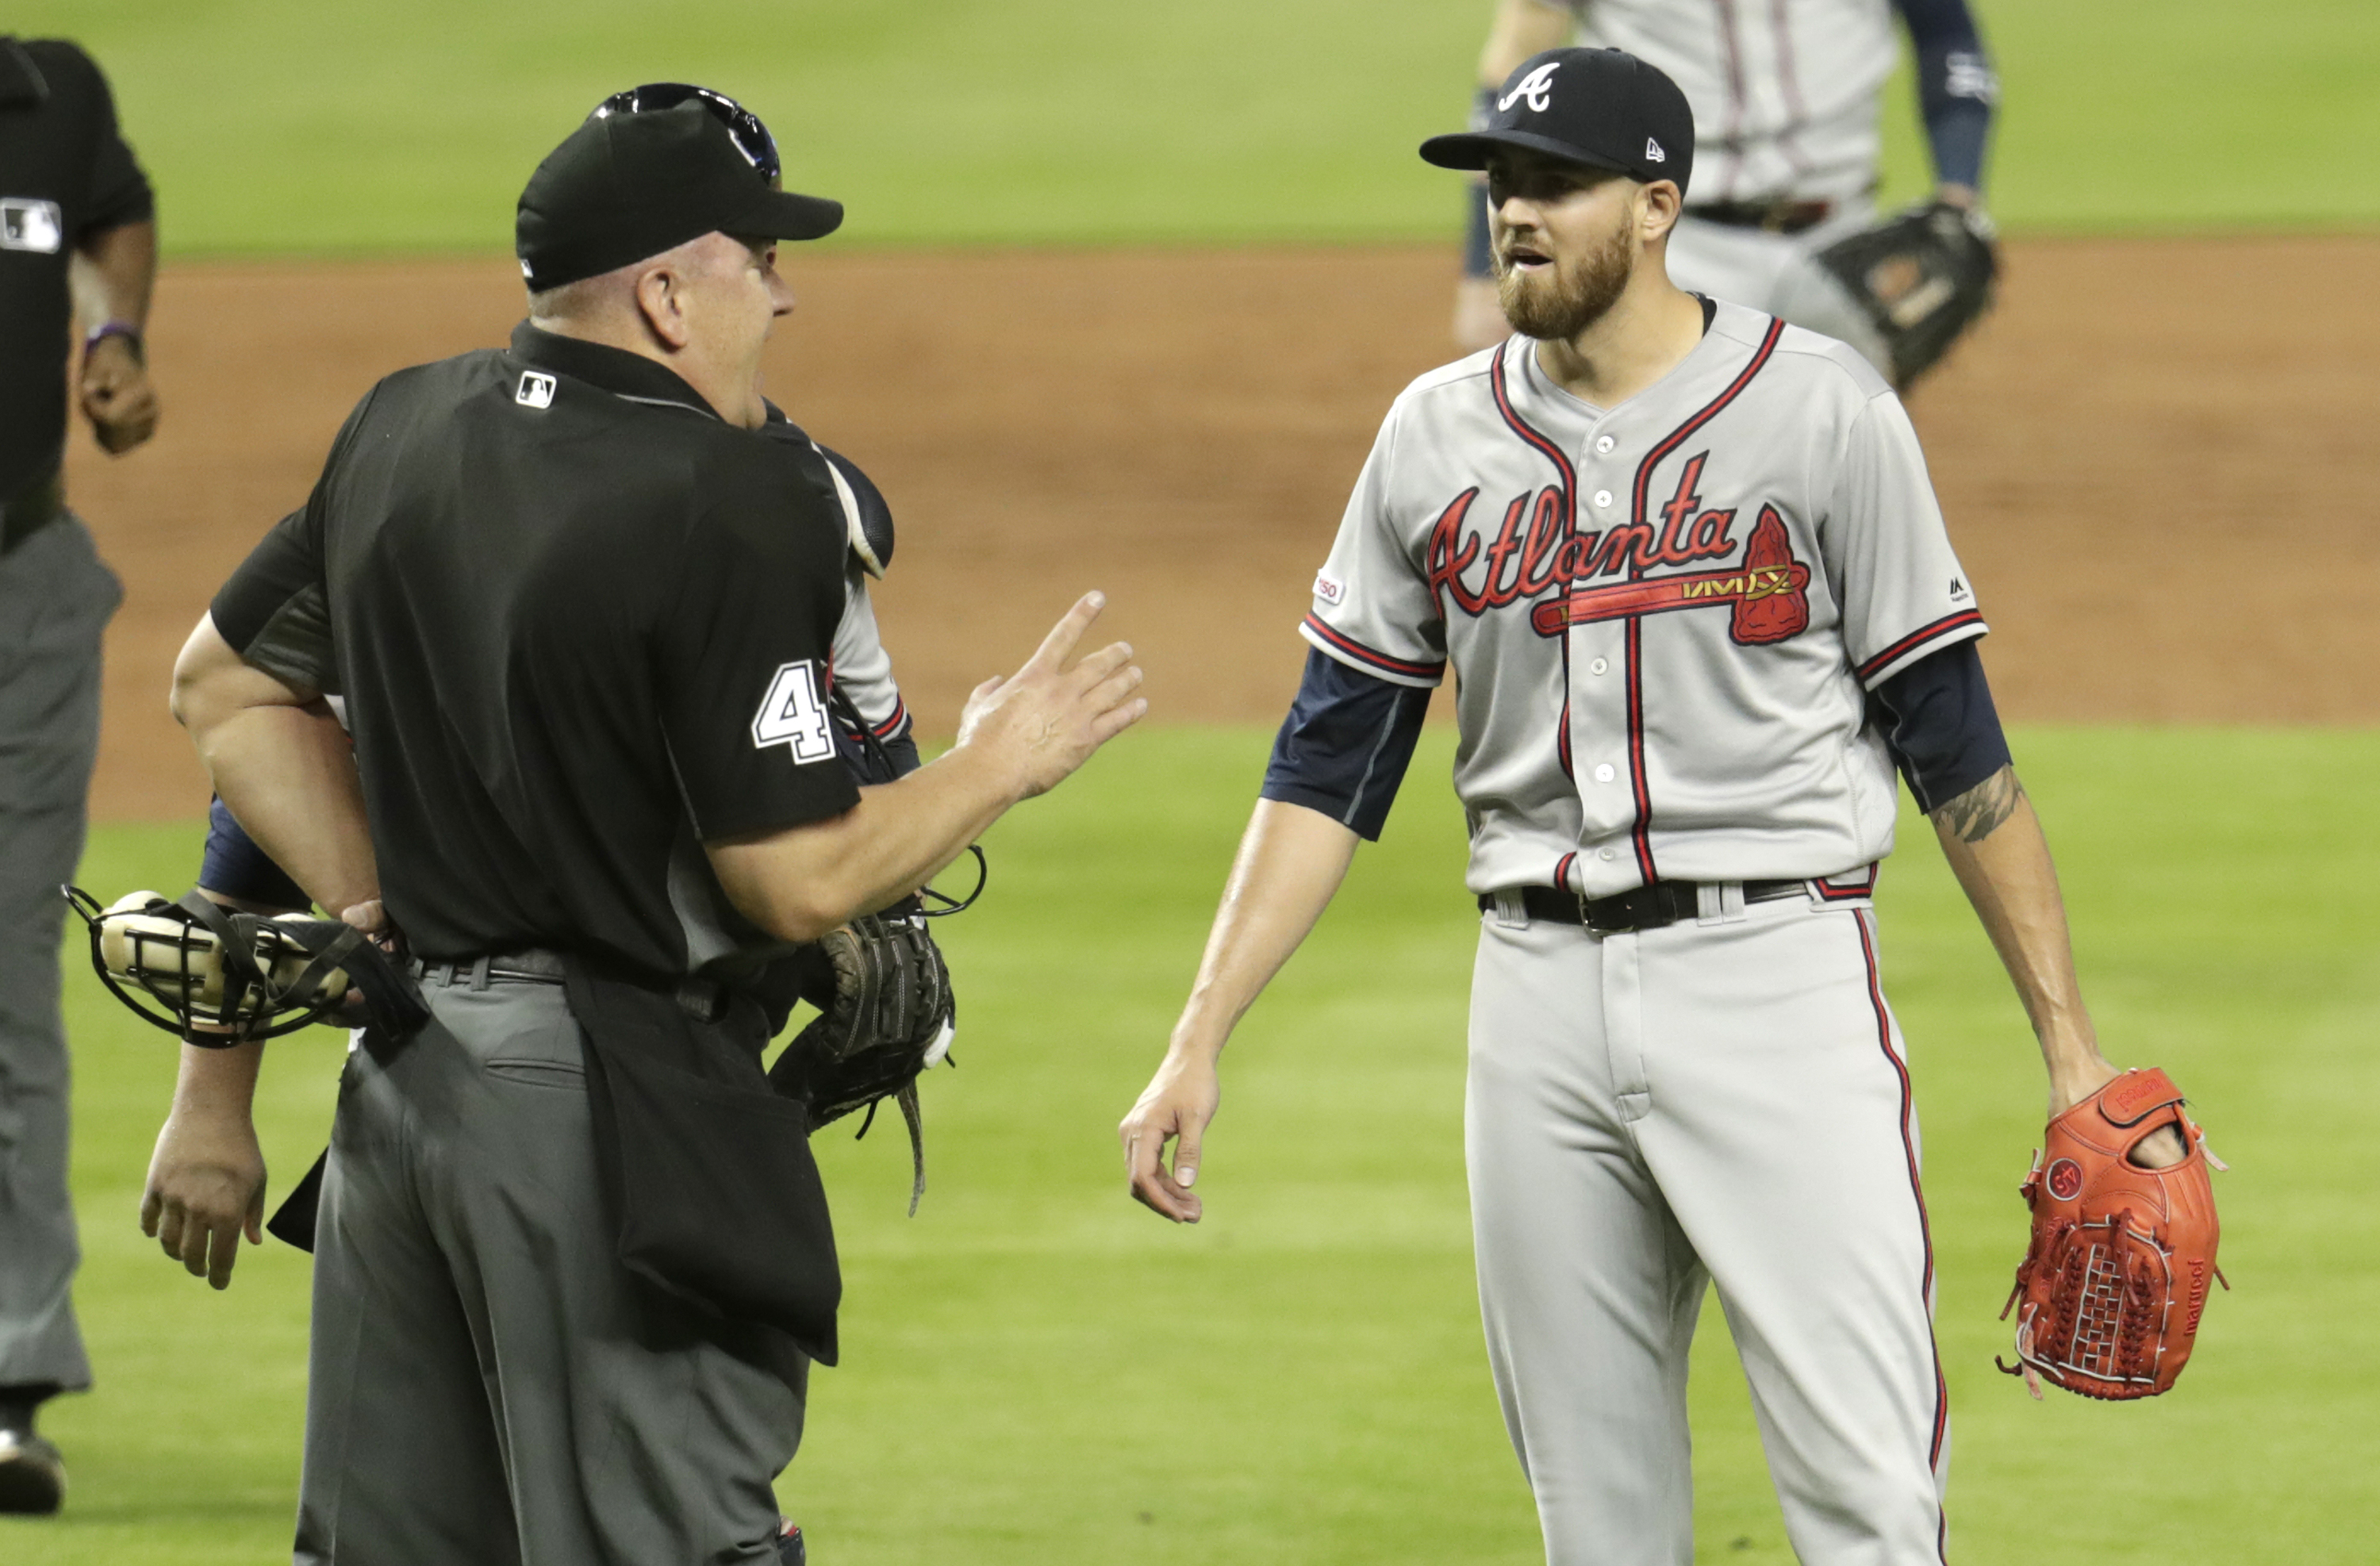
34 1479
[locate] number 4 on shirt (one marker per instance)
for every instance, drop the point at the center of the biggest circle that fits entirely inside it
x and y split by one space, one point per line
793 714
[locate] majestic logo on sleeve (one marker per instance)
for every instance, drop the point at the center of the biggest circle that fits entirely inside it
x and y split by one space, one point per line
1533 553
1537 87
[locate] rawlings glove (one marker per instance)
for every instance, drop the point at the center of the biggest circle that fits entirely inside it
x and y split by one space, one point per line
2109 1294
889 1019
1921 278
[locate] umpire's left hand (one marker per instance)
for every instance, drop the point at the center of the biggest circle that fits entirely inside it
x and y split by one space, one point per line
116 396
206 1179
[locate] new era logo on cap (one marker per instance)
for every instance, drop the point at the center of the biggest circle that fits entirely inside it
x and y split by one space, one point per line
535 390
1652 153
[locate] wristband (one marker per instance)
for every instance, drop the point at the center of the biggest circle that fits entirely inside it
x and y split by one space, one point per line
124 329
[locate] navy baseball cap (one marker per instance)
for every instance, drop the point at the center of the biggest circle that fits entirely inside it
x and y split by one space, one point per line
637 179
1602 107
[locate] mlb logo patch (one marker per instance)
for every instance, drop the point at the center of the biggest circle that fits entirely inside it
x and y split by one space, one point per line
535 390
29 224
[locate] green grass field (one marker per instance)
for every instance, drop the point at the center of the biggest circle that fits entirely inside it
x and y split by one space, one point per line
1038 1372
334 126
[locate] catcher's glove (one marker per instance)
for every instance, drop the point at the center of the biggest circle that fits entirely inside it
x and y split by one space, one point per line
2116 1275
218 977
1921 278
890 1018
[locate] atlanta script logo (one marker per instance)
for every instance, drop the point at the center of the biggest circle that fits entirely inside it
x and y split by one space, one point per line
1767 593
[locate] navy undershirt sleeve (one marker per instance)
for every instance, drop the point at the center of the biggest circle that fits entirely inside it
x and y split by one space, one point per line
1938 721
1956 86
236 867
1345 745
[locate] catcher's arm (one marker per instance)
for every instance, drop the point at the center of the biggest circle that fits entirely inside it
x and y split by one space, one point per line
1289 865
283 766
1994 842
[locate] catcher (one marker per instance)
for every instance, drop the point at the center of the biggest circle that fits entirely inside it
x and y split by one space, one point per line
1786 98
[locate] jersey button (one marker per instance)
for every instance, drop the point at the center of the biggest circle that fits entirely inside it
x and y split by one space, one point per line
1598 667
1604 443
1604 773
1603 497
1604 854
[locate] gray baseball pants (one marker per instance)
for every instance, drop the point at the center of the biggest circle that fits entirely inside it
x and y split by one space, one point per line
56 598
1722 1100
488 1385
1780 274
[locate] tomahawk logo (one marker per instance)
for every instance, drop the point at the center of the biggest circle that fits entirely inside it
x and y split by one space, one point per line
1537 87
535 390
791 715
1652 153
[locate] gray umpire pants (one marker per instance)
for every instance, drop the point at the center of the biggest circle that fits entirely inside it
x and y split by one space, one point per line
488 1385
56 598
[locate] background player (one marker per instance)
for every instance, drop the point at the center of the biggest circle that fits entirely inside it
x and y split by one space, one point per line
77 247
1687 566
1785 99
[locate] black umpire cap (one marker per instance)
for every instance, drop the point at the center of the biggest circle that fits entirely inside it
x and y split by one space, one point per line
1602 107
651 169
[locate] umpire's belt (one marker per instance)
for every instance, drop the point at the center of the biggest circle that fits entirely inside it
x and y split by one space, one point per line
1647 907
1780 216
704 1000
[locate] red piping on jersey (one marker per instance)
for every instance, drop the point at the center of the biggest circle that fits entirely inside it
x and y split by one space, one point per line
1568 483
1916 1187
1790 83
1642 833
1829 893
886 729
1561 870
1377 659
1732 137
1943 626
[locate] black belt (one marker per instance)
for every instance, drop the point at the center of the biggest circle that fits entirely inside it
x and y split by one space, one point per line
1647 907
704 1000
35 507
1780 216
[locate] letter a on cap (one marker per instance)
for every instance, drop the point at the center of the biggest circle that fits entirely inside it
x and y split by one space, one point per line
1652 153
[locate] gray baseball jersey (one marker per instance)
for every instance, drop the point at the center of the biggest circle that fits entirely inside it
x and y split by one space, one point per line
1785 94
1664 618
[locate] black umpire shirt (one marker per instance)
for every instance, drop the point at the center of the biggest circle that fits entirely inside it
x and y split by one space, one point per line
581 625
66 175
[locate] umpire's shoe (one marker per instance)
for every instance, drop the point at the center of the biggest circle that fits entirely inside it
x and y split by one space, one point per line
32 1479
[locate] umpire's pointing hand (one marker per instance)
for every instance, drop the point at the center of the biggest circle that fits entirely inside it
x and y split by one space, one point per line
1045 719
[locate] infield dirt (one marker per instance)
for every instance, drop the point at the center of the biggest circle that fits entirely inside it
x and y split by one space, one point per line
2152 455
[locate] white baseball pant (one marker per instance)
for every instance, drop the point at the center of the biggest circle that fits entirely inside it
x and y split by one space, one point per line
1779 274
1717 1101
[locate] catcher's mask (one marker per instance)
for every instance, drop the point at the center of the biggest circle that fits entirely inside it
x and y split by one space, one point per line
189 965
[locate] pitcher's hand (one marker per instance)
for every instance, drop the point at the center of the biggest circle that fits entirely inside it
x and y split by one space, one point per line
206 1187
1044 721
1176 1107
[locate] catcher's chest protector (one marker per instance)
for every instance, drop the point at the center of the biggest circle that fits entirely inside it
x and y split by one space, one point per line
2110 1295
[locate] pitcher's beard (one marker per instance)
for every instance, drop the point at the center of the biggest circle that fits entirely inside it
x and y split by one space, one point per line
1550 306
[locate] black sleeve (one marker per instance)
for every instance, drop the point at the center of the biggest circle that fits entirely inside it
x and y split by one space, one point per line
119 192
1938 721
1956 86
236 867
1345 745
740 659
275 611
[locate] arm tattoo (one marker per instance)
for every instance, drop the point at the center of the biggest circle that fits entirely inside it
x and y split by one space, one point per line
1976 814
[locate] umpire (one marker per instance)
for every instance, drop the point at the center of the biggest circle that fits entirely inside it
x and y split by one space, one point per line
77 229
571 1257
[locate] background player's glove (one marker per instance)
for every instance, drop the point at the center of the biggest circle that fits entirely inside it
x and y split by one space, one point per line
1922 277
889 1018
2109 1293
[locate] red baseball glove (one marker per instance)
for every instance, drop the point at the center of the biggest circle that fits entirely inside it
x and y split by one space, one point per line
2114 1283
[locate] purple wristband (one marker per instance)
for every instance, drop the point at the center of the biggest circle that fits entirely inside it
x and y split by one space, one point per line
124 329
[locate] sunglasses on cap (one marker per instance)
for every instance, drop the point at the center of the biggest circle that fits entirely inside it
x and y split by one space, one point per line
743 126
